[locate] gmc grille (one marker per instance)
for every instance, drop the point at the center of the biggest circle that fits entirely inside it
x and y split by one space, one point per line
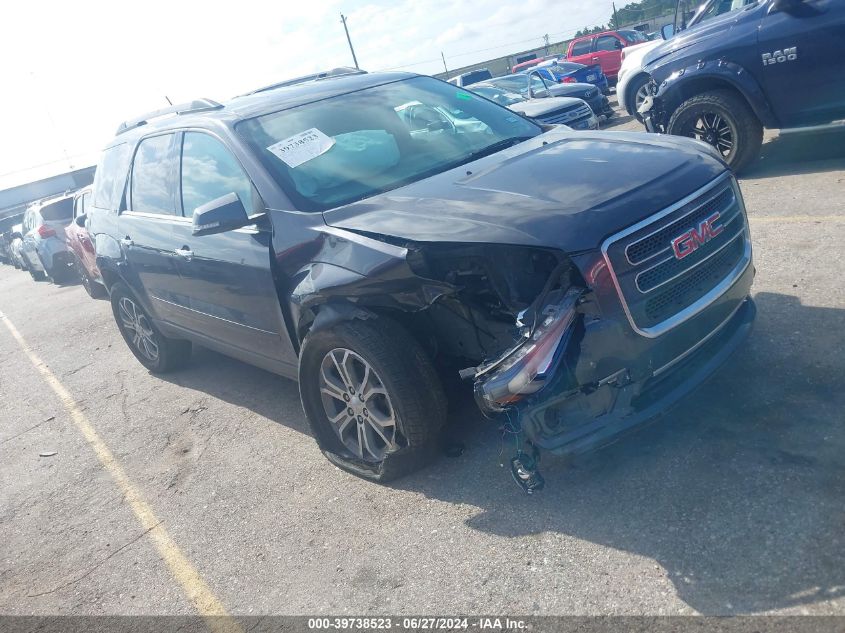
659 290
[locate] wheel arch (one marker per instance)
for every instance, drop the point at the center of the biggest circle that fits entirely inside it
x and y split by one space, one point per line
707 77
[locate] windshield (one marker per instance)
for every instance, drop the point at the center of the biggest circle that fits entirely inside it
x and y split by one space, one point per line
566 67
353 146
714 8
500 96
513 83
633 36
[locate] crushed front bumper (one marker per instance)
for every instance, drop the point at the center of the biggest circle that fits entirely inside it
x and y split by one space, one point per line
632 404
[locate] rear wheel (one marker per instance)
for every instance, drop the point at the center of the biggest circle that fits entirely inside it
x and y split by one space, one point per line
37 275
156 352
372 398
725 121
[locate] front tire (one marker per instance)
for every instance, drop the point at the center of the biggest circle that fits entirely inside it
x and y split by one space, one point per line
724 120
37 275
372 398
636 94
156 352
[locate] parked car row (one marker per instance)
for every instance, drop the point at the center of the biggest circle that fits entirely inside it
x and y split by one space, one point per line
53 243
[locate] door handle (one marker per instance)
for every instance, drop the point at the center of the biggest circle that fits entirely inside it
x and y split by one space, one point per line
595 59
185 253
126 241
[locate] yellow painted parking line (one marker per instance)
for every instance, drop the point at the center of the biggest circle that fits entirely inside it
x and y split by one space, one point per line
796 219
216 617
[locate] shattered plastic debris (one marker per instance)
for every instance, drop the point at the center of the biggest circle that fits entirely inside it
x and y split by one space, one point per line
47 453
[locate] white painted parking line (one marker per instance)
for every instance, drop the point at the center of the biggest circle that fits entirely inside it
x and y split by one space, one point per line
197 591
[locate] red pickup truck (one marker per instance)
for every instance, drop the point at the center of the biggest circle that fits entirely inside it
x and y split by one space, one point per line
603 48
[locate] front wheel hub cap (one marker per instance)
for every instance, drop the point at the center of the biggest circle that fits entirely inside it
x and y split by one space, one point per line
366 425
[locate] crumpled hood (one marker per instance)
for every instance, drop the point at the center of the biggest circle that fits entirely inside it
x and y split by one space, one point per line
698 37
562 189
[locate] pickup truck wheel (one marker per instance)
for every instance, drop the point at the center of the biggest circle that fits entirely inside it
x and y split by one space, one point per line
37 275
372 398
637 92
723 120
155 352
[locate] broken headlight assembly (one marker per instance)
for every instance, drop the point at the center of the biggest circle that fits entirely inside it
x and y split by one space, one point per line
527 366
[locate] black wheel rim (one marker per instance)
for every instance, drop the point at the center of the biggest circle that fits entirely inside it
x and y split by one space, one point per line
714 129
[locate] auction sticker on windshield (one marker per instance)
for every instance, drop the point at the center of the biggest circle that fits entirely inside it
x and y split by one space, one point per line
302 147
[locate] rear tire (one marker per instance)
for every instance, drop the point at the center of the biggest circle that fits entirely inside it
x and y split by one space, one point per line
724 120
37 275
156 352
407 410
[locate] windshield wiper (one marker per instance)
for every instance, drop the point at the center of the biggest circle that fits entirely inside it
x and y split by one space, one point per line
495 147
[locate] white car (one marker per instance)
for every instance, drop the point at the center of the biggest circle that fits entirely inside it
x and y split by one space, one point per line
632 81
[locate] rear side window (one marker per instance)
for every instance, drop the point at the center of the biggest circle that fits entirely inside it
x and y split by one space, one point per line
154 170
110 177
581 48
58 211
209 171
608 43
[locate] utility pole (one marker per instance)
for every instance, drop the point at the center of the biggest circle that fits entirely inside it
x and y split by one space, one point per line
615 18
546 41
348 39
444 62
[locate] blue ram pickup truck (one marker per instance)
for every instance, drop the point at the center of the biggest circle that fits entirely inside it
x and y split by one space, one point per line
770 64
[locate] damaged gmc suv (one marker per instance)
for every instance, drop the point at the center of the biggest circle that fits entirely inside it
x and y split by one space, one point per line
580 282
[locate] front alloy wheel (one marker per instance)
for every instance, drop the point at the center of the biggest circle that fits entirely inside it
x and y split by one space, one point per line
357 405
372 397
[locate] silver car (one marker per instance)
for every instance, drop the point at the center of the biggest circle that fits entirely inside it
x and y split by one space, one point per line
43 251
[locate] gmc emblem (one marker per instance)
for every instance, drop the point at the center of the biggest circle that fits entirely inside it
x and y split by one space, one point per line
687 243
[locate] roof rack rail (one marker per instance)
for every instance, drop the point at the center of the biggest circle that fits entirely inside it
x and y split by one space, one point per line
326 74
197 105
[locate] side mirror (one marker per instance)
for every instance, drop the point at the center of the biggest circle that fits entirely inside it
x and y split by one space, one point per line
80 220
225 213
16 235
667 31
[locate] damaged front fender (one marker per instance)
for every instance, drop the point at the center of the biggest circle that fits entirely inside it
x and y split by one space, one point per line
353 274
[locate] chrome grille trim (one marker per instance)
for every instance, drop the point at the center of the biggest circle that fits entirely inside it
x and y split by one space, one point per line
718 191
571 114
717 291
690 268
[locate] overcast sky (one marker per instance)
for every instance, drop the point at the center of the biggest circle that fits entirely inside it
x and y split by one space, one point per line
72 71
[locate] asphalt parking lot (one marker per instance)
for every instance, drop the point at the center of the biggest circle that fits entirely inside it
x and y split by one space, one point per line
203 490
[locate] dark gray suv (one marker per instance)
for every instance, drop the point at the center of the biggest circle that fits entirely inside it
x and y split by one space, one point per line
579 282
